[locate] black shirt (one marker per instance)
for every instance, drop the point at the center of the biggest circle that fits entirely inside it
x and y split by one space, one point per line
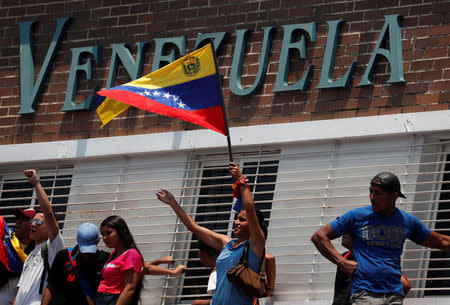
68 292
343 285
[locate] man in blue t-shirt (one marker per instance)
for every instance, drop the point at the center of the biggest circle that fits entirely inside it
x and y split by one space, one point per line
378 233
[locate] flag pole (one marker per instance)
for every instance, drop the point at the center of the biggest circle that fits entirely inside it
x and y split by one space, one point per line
230 153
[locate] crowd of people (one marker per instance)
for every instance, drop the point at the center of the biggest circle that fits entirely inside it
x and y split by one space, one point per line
36 269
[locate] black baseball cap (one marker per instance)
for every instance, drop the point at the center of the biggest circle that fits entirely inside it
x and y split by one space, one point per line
388 182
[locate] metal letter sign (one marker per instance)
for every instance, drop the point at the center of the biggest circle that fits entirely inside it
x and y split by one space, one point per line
134 68
30 92
394 55
72 85
160 43
283 68
326 76
238 59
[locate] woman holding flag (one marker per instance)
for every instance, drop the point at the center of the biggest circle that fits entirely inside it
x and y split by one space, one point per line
248 228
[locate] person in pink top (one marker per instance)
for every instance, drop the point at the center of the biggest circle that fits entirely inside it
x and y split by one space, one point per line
122 279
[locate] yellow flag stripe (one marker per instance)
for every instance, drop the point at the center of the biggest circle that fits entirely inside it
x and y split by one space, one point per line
174 74
109 109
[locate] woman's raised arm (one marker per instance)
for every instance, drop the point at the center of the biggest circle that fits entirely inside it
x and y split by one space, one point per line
211 238
257 240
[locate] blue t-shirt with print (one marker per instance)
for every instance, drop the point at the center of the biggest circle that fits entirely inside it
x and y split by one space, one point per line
377 244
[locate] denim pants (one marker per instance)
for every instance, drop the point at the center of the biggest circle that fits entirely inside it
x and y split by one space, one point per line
106 299
365 297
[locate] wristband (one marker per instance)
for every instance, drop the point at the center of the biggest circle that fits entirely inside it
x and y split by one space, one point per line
243 182
37 181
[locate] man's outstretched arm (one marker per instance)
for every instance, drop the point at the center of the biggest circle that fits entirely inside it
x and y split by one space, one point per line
322 240
437 241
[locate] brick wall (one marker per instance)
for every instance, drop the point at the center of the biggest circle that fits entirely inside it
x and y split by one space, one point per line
426 54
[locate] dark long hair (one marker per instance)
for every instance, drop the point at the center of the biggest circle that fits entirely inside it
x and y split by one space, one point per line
261 223
120 226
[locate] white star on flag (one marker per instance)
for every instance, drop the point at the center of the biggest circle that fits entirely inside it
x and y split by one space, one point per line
181 105
175 98
156 93
147 93
167 95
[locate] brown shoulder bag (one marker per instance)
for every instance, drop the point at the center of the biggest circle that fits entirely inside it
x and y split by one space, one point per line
253 283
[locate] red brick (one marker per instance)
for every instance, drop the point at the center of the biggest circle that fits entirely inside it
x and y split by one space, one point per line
280 120
425 43
367 112
416 88
352 16
413 54
411 77
421 9
7 121
443 41
435 53
16 11
198 3
409 99
446 74
427 99
437 107
417 108
421 65
22 139
119 10
408 2
361 26
6 141
379 102
349 39
127 20
444 97
365 5
100 12
440 85
410 21
430 19
416 32
430 75
391 110
41 138
36 9
344 114
439 30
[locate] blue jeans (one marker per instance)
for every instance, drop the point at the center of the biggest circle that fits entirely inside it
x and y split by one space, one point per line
365 297
106 299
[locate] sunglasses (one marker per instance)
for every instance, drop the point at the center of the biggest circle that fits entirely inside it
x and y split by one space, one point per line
37 221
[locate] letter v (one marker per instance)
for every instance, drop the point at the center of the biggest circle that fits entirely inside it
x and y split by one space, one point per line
30 92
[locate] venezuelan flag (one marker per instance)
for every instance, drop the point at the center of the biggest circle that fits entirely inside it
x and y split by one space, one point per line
187 89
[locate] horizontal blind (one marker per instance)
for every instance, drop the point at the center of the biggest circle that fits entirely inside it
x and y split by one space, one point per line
314 184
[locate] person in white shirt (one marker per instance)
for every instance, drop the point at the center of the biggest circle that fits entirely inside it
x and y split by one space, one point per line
44 232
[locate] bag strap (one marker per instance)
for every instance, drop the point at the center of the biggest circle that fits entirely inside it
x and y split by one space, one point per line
244 258
44 254
88 291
